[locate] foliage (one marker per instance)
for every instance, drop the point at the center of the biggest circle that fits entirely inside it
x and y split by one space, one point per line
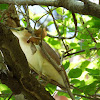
5 92
82 60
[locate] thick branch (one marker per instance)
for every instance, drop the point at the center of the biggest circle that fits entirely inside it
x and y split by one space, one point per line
31 2
75 6
17 64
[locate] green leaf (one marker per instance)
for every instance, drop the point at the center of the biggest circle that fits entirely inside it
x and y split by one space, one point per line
1 19
3 87
85 36
55 43
94 23
93 31
6 94
90 89
85 98
95 73
62 30
98 45
92 71
63 94
59 20
86 33
6 91
51 88
99 35
59 10
87 51
50 23
84 64
75 73
37 16
25 23
73 44
76 91
98 52
66 64
68 14
3 6
78 82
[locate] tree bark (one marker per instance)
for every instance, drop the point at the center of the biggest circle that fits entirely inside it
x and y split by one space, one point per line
84 7
18 66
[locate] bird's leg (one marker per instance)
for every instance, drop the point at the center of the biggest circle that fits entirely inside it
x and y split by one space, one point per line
39 76
45 80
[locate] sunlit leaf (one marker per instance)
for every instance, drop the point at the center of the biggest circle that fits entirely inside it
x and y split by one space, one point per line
3 87
77 82
98 45
66 64
99 35
25 23
54 42
50 23
90 89
73 44
59 10
51 88
94 23
75 73
84 64
93 71
76 91
98 52
87 51
62 94
3 6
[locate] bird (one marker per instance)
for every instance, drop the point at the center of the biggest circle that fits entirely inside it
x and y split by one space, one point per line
37 59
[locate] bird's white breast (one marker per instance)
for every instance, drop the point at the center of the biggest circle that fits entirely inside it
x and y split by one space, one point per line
40 64
37 61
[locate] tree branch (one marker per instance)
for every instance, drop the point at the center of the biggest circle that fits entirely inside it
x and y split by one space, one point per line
17 64
75 6
31 2
69 54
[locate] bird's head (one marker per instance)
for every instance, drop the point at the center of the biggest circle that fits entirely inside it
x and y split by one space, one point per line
22 33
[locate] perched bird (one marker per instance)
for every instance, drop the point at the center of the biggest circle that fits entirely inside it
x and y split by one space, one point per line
36 58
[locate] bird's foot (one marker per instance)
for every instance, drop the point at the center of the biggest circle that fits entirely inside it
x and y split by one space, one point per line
44 81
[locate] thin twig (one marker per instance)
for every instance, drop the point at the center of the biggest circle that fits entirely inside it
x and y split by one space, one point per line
10 96
63 73
54 22
89 31
69 54
57 27
75 22
59 37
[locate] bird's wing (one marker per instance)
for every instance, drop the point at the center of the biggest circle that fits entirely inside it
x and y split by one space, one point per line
51 52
